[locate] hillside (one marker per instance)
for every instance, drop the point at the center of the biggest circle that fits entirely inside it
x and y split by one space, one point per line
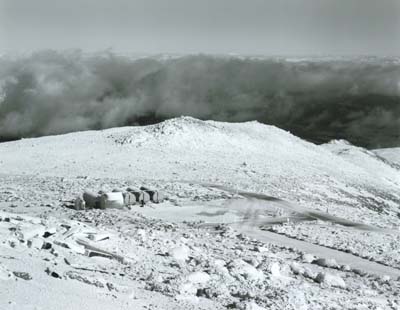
391 154
248 155
252 214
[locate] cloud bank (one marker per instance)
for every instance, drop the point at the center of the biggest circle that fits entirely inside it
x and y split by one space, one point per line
51 92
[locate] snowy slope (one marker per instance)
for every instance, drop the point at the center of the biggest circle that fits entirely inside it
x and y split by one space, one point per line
184 148
338 198
373 162
390 154
248 155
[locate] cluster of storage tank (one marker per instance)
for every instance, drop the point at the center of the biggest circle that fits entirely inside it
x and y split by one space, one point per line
118 199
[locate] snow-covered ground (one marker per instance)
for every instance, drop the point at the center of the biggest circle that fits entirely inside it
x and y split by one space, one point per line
255 218
391 154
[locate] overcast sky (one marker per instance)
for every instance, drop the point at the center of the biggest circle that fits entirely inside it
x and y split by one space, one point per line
280 27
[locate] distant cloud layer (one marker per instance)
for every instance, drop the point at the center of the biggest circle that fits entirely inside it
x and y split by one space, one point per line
50 93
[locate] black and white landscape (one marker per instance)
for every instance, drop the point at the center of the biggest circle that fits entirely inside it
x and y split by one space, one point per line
181 175
254 218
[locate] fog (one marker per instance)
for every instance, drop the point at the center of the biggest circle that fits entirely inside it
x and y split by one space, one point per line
51 92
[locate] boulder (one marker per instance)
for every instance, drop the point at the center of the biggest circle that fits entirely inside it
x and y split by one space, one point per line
308 258
323 262
249 272
296 268
330 280
198 277
179 253
22 275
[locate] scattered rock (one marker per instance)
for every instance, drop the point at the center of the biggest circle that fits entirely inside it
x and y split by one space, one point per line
345 268
29 232
52 273
46 246
187 291
205 292
359 272
87 280
111 287
308 258
297 268
198 277
253 306
179 253
260 249
330 280
12 242
275 269
385 278
240 267
36 243
22 275
308 273
5 274
71 245
99 237
323 262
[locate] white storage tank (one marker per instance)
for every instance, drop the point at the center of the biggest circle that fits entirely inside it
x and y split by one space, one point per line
112 200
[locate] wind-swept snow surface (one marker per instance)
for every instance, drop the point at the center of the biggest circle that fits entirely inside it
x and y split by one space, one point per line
391 154
255 218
